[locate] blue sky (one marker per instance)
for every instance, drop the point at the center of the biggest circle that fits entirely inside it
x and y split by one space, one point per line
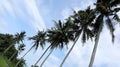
33 15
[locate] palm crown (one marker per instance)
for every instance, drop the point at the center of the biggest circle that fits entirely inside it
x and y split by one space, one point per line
39 39
58 36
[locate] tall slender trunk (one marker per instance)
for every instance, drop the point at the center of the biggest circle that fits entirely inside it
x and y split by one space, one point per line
13 56
69 51
6 51
23 57
94 52
41 56
95 47
46 58
8 48
55 42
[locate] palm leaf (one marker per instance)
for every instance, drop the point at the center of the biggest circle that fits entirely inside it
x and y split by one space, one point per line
110 27
116 17
117 9
115 3
97 23
19 37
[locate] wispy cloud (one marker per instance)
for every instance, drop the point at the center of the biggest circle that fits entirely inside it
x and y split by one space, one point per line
66 13
8 7
3 25
17 15
26 10
33 11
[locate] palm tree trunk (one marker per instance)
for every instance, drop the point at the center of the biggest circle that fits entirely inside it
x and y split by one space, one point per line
41 56
46 58
49 53
95 47
8 48
23 56
94 51
69 51
12 56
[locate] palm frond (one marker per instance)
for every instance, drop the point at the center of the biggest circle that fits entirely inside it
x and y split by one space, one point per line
90 34
110 27
60 35
98 22
19 37
115 3
116 9
116 17
39 39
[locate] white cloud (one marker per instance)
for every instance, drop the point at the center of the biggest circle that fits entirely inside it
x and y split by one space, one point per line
54 58
76 5
21 10
107 53
66 13
26 10
7 5
79 56
33 11
52 61
82 4
3 25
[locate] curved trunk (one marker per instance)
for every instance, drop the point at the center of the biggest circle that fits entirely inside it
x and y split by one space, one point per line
41 56
69 51
46 58
95 47
23 56
12 56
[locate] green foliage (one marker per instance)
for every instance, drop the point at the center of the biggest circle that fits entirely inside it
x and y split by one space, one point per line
5 63
7 40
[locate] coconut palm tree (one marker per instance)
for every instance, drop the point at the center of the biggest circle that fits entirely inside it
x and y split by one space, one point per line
67 26
58 37
7 40
21 48
38 39
42 54
82 26
19 37
104 9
